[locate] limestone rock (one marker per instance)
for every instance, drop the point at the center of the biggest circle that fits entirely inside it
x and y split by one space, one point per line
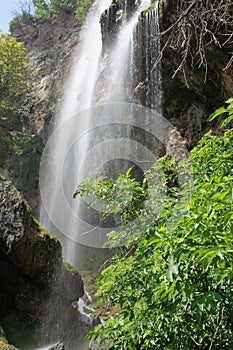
112 18
175 146
50 45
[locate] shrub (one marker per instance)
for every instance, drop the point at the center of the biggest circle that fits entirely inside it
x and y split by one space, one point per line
174 289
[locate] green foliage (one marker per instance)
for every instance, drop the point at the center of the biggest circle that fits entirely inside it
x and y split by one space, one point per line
2 335
224 110
46 9
29 148
121 197
82 9
24 17
63 4
42 9
175 290
15 71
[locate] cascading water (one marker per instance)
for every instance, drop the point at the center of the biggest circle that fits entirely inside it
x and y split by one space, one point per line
66 155
77 97
119 78
79 127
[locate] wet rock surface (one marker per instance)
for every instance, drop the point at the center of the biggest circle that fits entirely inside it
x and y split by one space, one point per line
112 19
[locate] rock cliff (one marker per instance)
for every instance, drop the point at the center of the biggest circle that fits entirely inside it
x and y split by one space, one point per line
32 270
204 82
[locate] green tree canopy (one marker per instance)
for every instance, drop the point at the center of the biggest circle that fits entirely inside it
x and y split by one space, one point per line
15 71
46 9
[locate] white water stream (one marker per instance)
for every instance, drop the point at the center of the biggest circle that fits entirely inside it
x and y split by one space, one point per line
121 58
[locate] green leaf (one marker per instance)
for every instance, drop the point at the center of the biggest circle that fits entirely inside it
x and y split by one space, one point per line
226 121
218 112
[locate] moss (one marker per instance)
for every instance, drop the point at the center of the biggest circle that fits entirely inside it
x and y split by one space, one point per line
23 151
7 142
46 233
69 267
151 7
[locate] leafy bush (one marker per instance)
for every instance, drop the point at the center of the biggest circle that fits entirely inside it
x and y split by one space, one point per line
43 9
15 71
63 4
174 290
82 9
23 18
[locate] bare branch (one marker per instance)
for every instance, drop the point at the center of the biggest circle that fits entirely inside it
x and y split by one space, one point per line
196 25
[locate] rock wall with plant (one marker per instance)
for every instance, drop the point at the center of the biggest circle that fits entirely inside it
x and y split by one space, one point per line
24 130
170 287
197 70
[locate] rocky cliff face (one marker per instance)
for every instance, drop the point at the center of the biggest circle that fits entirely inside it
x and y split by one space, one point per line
36 283
50 45
191 95
199 87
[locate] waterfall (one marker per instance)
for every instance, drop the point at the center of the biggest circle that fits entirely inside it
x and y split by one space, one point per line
120 75
78 95
91 129
68 157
